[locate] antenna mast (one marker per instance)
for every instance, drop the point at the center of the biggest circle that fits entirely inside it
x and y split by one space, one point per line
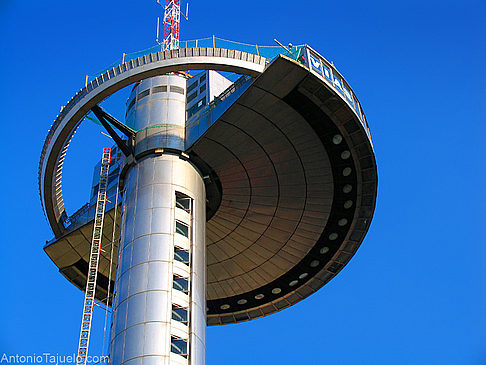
172 21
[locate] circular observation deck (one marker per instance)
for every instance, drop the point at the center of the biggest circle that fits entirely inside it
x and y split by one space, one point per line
297 173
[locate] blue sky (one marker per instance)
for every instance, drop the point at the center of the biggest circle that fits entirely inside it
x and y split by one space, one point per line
415 291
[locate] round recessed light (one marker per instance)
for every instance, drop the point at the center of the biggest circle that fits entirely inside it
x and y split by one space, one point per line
225 306
314 263
337 139
348 204
242 301
293 283
347 171
347 188
303 275
259 296
345 155
342 222
333 236
276 291
324 250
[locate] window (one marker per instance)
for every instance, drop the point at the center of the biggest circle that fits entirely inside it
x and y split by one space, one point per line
143 94
192 86
178 346
191 97
202 89
180 283
176 89
183 202
203 78
181 255
182 229
179 313
159 89
194 109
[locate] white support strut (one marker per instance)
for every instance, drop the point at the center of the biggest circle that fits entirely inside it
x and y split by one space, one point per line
89 295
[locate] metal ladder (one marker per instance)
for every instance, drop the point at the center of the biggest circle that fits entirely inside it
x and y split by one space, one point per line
89 295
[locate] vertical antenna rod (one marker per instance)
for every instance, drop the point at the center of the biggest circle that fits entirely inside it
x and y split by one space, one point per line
94 258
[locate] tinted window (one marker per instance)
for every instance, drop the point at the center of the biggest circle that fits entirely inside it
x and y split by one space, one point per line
178 346
191 97
179 314
183 202
143 94
180 283
182 229
159 89
177 89
181 255
192 86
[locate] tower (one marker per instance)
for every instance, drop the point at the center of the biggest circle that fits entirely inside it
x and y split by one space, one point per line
241 209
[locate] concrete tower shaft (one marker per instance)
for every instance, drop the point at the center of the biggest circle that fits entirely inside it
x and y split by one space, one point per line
160 302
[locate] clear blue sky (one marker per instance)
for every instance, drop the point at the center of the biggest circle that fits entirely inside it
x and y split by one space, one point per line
415 291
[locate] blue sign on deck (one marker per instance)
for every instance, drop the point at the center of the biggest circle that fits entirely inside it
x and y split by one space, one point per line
315 64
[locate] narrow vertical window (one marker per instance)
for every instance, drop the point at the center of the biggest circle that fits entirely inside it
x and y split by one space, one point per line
181 255
183 202
182 229
179 313
181 284
178 346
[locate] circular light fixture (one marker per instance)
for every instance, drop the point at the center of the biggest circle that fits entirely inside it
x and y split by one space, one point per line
337 139
345 155
314 263
347 188
293 283
333 236
242 301
347 171
225 306
276 291
348 204
342 222
303 275
324 250
259 296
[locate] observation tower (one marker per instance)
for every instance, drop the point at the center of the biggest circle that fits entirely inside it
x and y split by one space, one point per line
237 207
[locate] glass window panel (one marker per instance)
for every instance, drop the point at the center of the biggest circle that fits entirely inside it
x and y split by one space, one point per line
178 346
182 229
180 283
191 97
181 255
179 314
192 86
184 203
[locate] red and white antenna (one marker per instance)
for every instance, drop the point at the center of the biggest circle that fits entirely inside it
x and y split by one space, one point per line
172 21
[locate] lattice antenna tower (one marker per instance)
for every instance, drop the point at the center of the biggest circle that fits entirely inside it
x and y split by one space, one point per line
171 22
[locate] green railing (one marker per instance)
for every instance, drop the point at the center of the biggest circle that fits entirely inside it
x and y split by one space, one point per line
269 52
